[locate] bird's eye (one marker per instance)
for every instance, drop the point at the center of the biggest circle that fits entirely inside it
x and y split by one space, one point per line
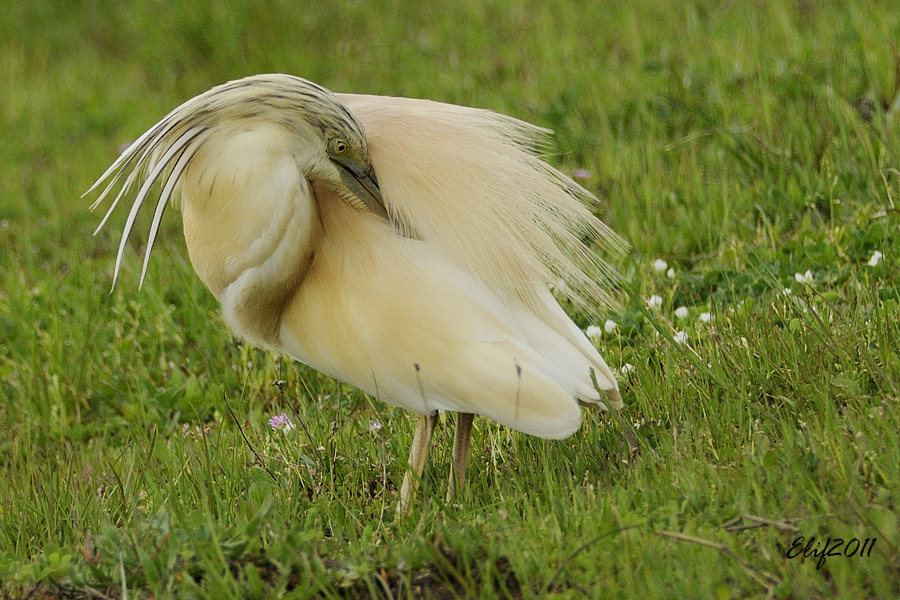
339 146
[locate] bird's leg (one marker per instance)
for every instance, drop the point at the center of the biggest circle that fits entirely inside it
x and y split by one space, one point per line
418 456
460 453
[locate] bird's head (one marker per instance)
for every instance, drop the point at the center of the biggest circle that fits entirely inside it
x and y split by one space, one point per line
346 168
331 145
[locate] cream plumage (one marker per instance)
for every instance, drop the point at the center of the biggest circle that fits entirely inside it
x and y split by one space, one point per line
403 246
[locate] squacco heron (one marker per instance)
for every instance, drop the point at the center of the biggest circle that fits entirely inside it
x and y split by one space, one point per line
403 246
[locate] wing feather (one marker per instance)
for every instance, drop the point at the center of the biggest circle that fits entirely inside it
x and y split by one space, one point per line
472 185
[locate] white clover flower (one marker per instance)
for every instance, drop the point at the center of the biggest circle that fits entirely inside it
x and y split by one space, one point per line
654 301
609 326
876 258
681 337
706 317
659 265
804 277
594 332
681 312
671 273
193 432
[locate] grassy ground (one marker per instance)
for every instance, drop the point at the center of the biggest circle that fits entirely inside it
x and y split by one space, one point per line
752 147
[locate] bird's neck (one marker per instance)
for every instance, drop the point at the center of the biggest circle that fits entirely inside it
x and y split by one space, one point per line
252 230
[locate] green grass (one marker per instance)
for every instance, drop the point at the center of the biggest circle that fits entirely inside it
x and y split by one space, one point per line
742 143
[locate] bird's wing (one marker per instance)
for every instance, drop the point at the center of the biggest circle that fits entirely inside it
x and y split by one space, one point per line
470 183
550 314
559 339
393 318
